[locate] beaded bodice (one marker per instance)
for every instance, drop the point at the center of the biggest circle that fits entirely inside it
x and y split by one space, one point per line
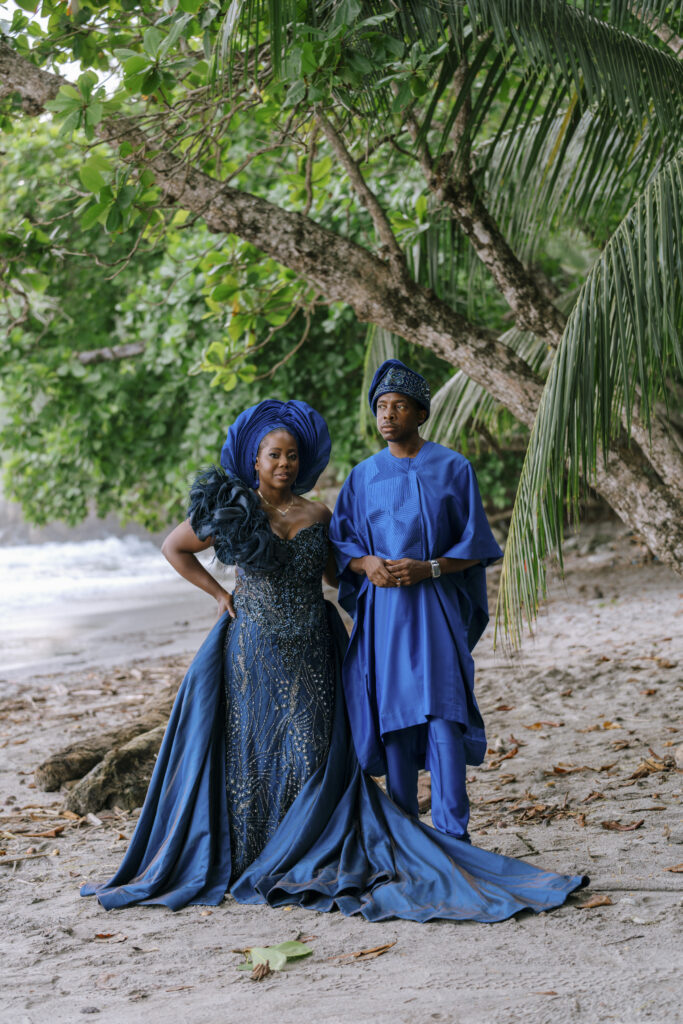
288 602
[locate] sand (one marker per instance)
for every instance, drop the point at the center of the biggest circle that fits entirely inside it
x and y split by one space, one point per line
590 711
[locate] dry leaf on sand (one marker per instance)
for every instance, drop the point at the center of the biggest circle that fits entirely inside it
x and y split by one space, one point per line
51 833
365 954
599 900
616 826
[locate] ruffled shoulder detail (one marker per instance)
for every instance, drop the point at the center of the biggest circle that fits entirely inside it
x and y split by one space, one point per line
223 507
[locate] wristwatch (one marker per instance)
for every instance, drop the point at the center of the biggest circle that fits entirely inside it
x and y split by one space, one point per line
436 568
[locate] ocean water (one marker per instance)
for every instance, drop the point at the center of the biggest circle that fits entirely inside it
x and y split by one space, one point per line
95 602
35 575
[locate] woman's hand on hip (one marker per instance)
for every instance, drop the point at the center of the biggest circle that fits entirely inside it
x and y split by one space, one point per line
225 604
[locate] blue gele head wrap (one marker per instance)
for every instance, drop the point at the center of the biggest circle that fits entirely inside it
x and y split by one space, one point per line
395 376
307 426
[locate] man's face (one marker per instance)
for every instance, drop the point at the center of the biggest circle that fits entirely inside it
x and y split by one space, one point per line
398 416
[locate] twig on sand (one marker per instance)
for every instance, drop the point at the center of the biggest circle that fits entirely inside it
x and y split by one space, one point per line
23 856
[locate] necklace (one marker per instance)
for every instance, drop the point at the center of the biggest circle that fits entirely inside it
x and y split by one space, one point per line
282 511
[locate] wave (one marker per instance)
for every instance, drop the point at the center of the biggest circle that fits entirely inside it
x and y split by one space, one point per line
44 574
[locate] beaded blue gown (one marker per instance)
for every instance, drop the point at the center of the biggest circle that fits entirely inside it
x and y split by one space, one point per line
257 790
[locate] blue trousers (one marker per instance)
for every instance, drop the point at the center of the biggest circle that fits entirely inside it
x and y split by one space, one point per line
439 746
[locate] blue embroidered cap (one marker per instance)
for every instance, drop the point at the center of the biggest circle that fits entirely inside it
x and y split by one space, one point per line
393 375
239 452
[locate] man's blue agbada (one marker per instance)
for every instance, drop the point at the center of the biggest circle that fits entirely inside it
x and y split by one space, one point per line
411 660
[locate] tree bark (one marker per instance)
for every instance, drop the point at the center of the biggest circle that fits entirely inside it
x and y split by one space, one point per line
80 758
121 778
346 272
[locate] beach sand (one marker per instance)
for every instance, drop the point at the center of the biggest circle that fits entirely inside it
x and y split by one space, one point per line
583 724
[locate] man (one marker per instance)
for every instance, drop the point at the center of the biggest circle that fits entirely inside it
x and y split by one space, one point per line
412 542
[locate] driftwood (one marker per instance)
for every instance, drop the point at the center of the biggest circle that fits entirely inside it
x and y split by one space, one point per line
120 778
112 767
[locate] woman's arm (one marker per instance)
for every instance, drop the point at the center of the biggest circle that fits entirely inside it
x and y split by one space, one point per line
180 548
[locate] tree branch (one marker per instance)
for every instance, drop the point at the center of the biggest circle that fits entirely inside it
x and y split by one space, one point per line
367 197
450 180
310 161
340 269
109 355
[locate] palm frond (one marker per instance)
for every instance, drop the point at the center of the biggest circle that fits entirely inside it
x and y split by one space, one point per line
622 344
567 171
461 406
590 56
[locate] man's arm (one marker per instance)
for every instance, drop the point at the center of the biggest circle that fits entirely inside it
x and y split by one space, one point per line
407 571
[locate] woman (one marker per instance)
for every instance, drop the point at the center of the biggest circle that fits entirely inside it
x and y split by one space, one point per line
257 789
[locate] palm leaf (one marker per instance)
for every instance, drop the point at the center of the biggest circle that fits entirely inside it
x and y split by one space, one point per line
590 56
461 406
622 342
565 173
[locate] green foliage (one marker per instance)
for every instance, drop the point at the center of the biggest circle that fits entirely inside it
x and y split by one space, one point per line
126 436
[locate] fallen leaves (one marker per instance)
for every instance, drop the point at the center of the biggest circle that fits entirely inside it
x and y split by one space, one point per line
360 955
677 869
497 761
616 826
544 725
652 764
51 833
567 768
599 900
110 937
263 960
540 812
599 726
620 744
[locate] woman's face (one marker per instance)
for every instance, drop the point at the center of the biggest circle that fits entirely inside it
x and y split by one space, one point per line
277 462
